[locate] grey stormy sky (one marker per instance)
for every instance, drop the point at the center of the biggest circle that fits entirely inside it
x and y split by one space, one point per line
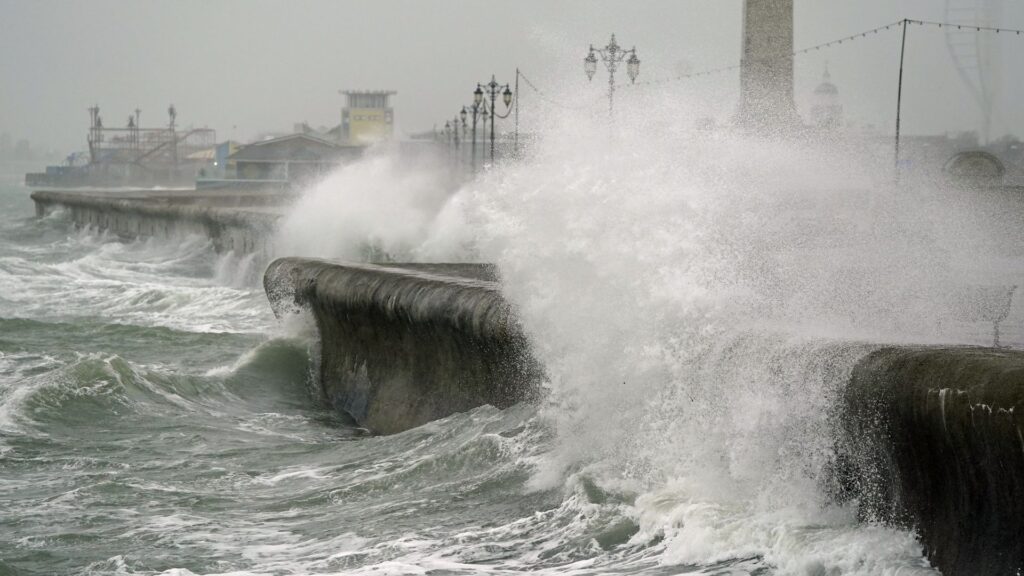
248 66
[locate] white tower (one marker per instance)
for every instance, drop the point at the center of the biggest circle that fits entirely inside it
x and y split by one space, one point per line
766 72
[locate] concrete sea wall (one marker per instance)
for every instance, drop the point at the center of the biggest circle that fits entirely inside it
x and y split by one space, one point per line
928 438
406 344
239 222
934 441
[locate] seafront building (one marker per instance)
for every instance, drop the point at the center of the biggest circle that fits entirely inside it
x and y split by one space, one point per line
826 109
367 117
960 159
295 157
307 153
767 106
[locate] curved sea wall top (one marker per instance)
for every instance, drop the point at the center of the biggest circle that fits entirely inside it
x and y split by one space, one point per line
934 441
406 344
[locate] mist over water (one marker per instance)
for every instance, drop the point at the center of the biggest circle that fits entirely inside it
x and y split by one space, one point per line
387 205
698 299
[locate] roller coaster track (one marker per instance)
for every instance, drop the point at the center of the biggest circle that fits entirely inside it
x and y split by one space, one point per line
176 140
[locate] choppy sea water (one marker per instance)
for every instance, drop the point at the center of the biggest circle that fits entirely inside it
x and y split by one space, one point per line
155 419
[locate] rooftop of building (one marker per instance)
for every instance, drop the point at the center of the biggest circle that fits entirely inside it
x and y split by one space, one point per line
293 147
369 92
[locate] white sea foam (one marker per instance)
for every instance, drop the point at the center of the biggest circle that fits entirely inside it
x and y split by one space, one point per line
175 283
17 386
666 283
386 205
697 299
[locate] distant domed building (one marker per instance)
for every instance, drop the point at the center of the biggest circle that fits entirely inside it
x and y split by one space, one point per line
827 111
975 168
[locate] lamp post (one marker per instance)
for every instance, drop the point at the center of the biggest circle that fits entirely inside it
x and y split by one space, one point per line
484 115
455 134
492 89
612 55
475 110
458 134
899 103
172 112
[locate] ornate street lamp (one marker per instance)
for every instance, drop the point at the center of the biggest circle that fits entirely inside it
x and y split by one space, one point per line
484 115
475 109
455 135
492 89
612 55
633 67
590 64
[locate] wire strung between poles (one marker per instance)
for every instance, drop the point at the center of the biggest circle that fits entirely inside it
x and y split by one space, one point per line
721 69
549 99
893 25
710 71
967 27
707 72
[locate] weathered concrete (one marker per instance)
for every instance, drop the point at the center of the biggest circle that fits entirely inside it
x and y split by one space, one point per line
406 344
234 220
934 440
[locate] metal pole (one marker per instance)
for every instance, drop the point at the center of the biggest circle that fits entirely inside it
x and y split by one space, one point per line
494 95
472 152
515 145
456 132
92 132
173 113
611 86
899 101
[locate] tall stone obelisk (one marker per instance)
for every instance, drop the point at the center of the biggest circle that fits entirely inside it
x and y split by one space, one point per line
766 71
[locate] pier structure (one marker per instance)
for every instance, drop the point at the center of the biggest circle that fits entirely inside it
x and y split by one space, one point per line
131 155
236 221
146 147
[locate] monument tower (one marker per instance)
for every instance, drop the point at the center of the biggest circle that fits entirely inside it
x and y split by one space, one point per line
766 71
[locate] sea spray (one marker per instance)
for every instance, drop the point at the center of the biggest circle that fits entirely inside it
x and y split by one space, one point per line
390 205
698 299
